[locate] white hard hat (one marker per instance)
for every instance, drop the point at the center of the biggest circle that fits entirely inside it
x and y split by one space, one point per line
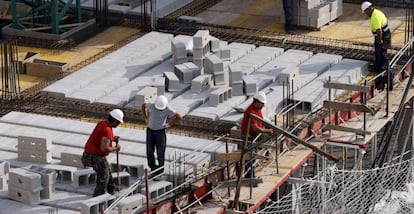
161 102
117 114
260 96
365 5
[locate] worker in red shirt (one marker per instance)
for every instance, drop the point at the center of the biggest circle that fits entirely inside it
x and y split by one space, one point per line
256 127
98 146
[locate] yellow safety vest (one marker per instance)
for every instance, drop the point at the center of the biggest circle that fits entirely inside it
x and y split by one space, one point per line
378 21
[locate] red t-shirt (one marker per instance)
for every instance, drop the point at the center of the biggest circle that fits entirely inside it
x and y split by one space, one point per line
257 112
93 145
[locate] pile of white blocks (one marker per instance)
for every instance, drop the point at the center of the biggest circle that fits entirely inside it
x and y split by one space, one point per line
4 174
316 13
34 149
215 66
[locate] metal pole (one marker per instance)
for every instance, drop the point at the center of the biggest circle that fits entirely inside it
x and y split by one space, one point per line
147 191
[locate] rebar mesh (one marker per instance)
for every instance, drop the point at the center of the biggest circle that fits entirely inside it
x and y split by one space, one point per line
339 191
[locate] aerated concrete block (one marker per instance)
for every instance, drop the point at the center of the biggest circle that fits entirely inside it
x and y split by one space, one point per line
134 169
196 71
4 168
219 78
146 95
124 177
201 38
237 89
250 85
34 143
219 96
179 49
131 204
24 196
288 75
171 81
225 52
183 73
236 73
4 180
83 177
156 189
69 159
213 64
96 204
25 179
159 83
64 173
201 83
48 178
214 44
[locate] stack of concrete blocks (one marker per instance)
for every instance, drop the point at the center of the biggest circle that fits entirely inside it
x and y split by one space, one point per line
146 95
179 50
215 66
158 190
201 83
236 79
317 13
34 149
25 186
96 204
186 72
171 81
4 174
48 181
131 204
220 95
201 46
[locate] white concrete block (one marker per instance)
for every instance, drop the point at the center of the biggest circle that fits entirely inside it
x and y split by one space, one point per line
36 143
4 168
146 95
25 179
96 204
23 195
201 38
70 159
83 177
201 83
131 204
171 81
250 85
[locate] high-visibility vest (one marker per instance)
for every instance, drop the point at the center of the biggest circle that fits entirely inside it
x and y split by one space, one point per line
378 21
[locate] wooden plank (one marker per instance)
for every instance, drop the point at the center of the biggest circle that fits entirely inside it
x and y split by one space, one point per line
348 106
348 87
347 129
244 182
235 156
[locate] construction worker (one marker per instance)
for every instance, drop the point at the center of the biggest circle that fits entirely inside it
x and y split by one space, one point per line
256 127
156 115
382 35
98 146
288 8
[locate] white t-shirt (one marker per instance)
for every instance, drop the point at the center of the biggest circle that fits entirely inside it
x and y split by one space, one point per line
157 118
